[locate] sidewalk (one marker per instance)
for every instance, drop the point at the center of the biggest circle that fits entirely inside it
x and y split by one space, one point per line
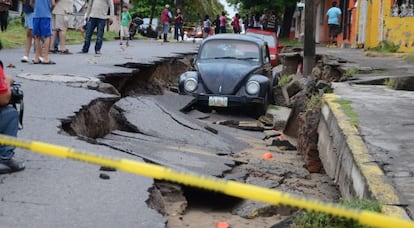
386 122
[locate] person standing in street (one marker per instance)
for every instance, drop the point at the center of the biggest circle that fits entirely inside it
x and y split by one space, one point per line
97 15
217 25
165 20
126 20
4 14
334 17
223 22
28 24
236 23
42 18
60 24
178 31
9 125
206 26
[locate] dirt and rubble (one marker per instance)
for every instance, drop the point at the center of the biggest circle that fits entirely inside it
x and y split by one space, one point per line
278 133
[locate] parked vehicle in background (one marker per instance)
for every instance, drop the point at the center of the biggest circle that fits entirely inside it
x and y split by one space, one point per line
272 41
135 26
231 70
150 30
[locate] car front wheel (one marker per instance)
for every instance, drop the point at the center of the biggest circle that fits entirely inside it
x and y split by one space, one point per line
261 109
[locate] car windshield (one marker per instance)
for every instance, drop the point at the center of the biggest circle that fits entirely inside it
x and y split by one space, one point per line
268 38
230 49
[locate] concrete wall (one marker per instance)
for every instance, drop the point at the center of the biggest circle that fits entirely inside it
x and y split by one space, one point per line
346 160
381 25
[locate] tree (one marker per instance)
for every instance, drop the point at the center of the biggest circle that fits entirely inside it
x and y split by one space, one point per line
193 11
284 10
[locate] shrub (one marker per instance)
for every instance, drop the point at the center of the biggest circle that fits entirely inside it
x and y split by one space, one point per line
316 220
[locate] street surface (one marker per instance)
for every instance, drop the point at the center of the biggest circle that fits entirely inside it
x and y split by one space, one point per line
52 192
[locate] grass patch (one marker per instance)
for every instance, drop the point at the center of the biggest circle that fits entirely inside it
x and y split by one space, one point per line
385 47
351 72
293 43
15 36
390 83
349 112
320 220
408 57
274 107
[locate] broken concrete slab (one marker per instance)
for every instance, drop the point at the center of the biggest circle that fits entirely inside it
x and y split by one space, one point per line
166 153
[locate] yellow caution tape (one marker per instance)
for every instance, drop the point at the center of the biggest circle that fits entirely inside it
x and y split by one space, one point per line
231 188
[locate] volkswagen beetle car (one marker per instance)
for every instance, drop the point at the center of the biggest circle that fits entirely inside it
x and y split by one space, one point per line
231 70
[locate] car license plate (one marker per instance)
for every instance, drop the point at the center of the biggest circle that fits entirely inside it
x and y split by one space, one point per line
217 101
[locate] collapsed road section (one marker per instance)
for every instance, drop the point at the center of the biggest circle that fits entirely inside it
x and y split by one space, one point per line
144 120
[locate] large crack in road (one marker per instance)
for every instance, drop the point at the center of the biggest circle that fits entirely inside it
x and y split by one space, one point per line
145 121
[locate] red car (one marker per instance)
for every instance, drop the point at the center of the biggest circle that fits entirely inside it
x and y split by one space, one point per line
272 42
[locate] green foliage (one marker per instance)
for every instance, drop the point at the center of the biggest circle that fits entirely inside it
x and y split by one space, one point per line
386 47
349 112
320 220
390 83
193 11
315 102
284 80
275 107
292 43
16 35
351 72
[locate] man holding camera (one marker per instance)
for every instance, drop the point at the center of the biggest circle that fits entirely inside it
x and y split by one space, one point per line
9 124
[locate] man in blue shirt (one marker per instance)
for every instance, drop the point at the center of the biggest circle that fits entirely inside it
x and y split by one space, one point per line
334 18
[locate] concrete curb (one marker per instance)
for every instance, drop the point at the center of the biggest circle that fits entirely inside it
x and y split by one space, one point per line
346 159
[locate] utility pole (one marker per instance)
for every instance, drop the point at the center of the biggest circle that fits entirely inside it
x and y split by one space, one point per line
309 44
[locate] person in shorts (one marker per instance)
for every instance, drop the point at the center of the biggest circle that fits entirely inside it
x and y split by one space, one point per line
42 28
126 20
60 25
28 24
334 17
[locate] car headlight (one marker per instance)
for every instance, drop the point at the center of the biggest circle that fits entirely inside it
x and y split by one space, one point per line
252 87
190 85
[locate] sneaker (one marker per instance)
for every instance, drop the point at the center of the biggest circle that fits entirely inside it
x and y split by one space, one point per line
25 59
10 166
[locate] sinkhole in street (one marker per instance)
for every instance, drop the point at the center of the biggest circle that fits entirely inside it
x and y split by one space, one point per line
101 117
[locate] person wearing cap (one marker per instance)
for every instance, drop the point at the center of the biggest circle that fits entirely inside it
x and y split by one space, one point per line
165 20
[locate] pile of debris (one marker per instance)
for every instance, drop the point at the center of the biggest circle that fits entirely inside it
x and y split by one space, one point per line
303 96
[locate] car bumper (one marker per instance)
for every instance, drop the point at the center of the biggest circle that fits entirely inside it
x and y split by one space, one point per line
232 101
